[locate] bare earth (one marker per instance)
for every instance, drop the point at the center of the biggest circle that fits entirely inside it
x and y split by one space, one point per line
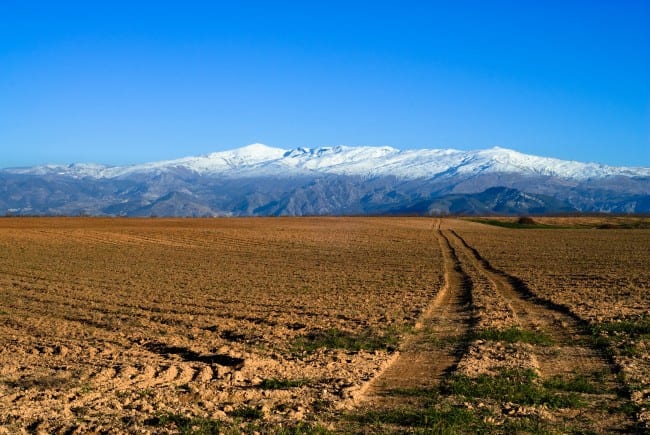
317 324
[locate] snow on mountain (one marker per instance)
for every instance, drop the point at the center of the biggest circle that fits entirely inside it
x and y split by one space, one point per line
251 156
262 160
430 163
74 170
258 180
504 160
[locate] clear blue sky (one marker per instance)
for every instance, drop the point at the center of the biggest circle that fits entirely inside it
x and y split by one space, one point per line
121 82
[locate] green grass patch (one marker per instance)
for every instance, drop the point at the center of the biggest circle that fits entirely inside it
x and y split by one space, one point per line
519 224
578 384
247 413
186 425
86 388
513 335
177 423
299 428
144 393
601 343
521 387
629 408
622 336
638 326
445 420
638 225
282 384
630 349
336 339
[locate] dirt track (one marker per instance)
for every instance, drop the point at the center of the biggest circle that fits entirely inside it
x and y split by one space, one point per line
570 354
436 345
477 297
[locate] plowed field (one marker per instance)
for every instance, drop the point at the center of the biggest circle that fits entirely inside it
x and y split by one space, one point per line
316 324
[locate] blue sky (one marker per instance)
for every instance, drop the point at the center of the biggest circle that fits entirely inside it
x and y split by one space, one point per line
122 82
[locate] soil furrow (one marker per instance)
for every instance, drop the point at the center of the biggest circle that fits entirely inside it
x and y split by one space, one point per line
249 325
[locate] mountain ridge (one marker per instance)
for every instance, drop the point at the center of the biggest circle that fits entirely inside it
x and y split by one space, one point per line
346 160
258 180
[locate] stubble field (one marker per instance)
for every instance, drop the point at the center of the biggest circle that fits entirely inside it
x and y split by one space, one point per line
321 324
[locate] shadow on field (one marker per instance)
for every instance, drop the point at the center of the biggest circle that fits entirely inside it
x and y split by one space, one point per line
191 356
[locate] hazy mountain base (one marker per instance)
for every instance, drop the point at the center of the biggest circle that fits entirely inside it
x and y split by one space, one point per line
181 192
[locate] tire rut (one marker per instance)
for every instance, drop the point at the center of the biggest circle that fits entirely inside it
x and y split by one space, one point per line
569 355
436 345
571 352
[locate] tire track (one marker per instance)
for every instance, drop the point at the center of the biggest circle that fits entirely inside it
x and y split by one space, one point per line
437 344
570 354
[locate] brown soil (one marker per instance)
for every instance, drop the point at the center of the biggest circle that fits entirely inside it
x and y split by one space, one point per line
571 352
598 276
478 297
434 349
107 324
142 325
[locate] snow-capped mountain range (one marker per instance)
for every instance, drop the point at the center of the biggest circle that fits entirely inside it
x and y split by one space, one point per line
262 180
261 160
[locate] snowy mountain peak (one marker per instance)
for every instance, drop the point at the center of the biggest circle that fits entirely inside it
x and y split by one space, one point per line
261 180
365 161
257 151
254 152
